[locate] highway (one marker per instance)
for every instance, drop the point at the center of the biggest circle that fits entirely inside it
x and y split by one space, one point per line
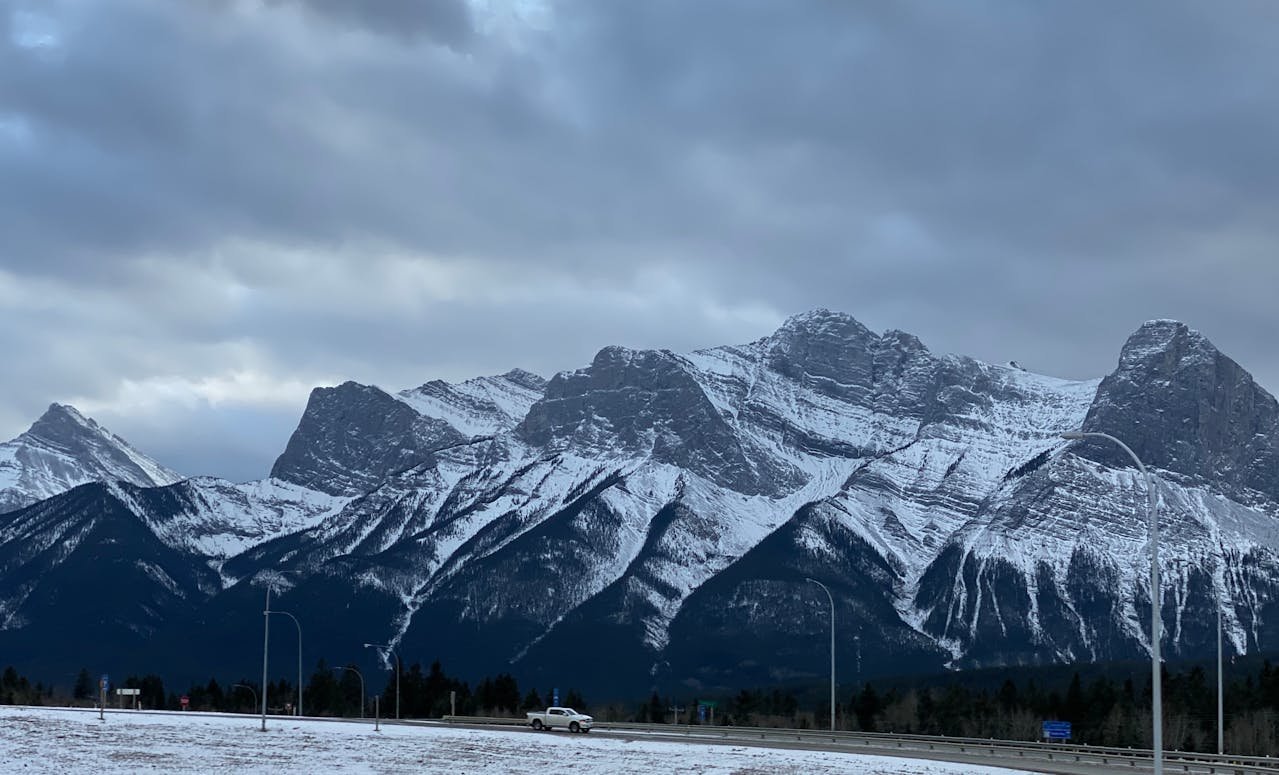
1061 758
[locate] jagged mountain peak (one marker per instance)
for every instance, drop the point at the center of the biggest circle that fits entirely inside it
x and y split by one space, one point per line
353 436
65 426
60 416
834 354
903 340
1163 344
617 356
355 388
1184 406
821 325
526 379
63 449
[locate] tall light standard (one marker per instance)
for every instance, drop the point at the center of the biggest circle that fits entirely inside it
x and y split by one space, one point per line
266 640
385 647
832 650
1221 714
1156 630
362 693
299 626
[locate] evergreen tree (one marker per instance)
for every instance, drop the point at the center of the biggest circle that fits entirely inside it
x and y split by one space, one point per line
532 701
83 685
1008 698
656 709
351 699
322 696
865 706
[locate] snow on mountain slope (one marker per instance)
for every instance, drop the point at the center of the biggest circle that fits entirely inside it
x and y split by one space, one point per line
84 559
219 519
64 449
923 471
713 528
649 492
483 406
928 465
435 502
1057 558
905 444
1075 535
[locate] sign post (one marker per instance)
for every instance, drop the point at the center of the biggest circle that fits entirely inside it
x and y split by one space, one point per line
104 684
134 693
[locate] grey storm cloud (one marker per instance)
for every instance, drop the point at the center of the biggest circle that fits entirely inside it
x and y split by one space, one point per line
228 200
448 22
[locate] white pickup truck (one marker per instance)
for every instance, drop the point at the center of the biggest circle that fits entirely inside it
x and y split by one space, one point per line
560 718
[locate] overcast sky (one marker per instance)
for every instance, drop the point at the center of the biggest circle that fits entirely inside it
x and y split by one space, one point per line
208 207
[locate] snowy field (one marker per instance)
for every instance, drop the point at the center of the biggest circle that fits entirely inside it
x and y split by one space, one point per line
40 740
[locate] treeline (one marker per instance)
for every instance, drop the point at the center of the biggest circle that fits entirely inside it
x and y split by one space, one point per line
17 690
342 691
1102 711
330 691
429 693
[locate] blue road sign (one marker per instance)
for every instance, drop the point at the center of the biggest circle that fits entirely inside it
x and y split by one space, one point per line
1056 730
105 682
701 713
555 696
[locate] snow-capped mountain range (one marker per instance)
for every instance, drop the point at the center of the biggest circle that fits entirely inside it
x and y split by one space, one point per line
657 516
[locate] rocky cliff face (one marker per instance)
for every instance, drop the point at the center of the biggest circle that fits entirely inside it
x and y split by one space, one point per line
1187 409
352 437
665 510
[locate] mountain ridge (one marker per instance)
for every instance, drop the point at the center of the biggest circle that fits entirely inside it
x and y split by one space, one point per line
669 507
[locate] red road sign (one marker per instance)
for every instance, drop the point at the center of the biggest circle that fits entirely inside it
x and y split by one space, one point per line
185 700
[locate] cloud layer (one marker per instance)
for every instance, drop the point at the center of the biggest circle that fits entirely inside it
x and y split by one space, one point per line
209 207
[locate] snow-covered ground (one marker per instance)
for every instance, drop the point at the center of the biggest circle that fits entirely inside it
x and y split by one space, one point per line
40 740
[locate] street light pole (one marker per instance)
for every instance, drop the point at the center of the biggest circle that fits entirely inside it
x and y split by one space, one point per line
1156 630
362 693
266 640
832 650
1221 728
398 670
299 626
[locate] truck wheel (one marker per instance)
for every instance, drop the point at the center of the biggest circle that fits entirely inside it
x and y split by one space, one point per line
537 724
575 727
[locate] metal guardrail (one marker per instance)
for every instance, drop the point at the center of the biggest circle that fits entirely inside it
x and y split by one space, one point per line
939 746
